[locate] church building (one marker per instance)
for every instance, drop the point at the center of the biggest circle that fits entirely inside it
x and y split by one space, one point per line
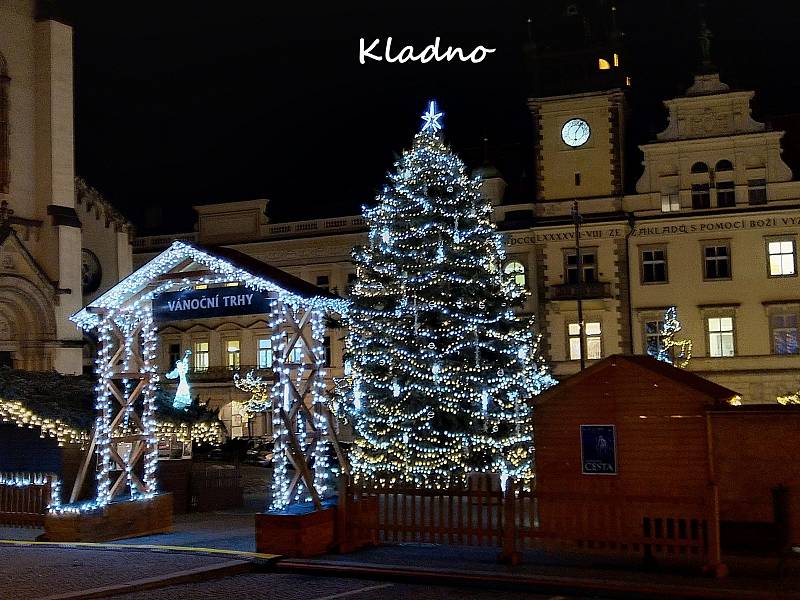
61 243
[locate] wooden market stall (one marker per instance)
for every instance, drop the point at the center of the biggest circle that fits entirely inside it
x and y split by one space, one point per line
623 463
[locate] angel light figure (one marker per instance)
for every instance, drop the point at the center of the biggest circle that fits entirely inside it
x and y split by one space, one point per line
182 399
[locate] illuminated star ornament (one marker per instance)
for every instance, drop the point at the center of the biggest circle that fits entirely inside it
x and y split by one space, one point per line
431 118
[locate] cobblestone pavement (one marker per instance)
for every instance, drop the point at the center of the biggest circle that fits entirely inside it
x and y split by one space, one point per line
269 586
35 572
223 530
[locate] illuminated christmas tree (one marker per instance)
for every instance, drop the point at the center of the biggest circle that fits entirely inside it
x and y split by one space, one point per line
438 370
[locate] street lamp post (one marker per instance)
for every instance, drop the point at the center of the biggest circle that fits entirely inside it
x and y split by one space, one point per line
577 219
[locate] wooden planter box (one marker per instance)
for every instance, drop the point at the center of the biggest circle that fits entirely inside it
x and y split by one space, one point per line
296 535
116 521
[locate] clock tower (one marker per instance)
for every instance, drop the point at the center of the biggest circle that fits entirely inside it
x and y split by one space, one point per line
578 78
579 145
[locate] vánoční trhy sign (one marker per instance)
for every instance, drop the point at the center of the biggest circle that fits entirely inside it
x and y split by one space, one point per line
211 302
598 450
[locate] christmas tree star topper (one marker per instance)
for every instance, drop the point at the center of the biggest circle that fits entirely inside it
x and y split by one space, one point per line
431 118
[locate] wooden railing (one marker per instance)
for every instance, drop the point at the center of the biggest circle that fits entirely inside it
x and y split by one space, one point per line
668 529
25 497
514 519
469 515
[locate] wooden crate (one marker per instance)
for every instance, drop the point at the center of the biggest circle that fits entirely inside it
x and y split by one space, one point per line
296 535
118 520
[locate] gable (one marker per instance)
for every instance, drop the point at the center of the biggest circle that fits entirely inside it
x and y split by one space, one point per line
16 260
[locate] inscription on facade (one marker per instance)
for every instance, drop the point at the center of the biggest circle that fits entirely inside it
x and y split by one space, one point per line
716 226
654 230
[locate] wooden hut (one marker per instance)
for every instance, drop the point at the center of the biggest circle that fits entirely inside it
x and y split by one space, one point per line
623 461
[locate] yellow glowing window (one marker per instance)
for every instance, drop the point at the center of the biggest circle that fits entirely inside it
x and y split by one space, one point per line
201 356
200 286
627 81
232 349
603 64
616 59
232 284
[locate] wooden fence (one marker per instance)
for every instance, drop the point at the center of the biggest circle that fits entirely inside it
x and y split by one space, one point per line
682 530
25 497
470 516
665 529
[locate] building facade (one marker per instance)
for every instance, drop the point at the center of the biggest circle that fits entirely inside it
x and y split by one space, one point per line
60 242
711 228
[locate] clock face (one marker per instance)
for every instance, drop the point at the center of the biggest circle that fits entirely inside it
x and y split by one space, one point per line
575 132
91 273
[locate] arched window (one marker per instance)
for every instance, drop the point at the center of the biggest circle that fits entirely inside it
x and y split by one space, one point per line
699 167
724 165
516 270
4 126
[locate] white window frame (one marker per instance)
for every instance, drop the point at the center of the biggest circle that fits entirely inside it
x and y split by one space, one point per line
516 268
781 253
718 332
784 312
233 358
716 259
593 337
267 350
642 262
198 364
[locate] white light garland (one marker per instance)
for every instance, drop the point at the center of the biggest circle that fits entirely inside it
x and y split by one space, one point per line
438 365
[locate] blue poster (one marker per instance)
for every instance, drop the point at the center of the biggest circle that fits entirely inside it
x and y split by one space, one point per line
598 449
210 302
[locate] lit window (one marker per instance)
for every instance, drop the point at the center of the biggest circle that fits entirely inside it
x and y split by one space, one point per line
757 191
784 334
233 354
603 64
517 271
720 336
654 337
296 354
232 284
592 337
201 286
628 81
670 202
616 59
654 265
716 262
589 260
200 356
264 353
781 258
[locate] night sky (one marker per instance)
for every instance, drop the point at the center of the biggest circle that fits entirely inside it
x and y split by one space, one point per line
183 103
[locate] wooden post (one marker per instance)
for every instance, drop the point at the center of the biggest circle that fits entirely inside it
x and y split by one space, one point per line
509 555
342 525
715 564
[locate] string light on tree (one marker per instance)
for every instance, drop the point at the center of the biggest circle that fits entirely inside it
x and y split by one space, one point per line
675 352
436 359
